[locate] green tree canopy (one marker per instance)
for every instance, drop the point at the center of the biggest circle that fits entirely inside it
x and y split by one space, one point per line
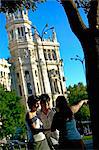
77 93
12 113
12 5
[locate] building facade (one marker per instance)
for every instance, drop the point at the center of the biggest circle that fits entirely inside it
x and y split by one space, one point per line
36 64
5 77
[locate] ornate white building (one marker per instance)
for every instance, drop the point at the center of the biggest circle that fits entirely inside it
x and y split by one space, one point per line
5 78
36 64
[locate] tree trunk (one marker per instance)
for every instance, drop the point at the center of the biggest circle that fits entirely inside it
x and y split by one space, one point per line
90 46
89 38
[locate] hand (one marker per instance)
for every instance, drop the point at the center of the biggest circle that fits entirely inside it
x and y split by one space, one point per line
85 101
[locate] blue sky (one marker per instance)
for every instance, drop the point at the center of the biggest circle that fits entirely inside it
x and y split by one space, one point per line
53 13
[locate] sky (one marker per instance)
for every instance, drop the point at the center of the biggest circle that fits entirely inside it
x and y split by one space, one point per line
53 14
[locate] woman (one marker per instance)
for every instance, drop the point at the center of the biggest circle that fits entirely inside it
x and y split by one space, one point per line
37 140
63 120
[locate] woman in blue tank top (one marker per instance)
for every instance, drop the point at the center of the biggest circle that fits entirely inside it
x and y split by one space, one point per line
64 121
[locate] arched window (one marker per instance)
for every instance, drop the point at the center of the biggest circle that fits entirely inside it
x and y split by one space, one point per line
54 55
27 75
56 86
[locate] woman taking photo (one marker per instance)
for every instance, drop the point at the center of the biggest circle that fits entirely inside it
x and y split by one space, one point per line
64 121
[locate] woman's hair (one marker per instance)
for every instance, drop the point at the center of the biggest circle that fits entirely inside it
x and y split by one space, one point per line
32 100
64 108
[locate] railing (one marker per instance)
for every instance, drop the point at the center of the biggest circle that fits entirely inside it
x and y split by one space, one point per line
84 127
13 145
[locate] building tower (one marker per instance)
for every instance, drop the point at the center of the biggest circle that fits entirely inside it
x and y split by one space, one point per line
36 64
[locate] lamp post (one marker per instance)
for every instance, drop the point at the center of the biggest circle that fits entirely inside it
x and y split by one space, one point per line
44 31
78 58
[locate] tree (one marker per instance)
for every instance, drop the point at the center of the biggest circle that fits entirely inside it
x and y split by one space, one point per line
12 113
77 93
12 5
89 39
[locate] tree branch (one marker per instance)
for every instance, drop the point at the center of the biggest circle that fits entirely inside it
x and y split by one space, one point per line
75 20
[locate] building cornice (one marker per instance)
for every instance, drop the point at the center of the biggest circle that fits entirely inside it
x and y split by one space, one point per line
13 22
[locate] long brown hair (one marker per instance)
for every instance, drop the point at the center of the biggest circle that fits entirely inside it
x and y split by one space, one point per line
64 108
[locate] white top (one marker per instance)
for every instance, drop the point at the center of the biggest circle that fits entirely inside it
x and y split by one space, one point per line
38 125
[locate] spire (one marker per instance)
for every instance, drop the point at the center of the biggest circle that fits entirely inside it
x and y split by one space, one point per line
54 38
18 26
18 15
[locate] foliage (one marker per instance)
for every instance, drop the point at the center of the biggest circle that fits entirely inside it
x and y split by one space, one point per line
85 4
87 137
13 5
12 113
77 93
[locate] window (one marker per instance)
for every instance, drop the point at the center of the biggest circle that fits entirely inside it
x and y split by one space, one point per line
38 88
29 32
45 54
27 75
35 73
12 34
20 90
22 31
49 55
56 72
19 32
4 73
21 13
1 75
16 16
18 75
54 55
9 75
29 88
56 86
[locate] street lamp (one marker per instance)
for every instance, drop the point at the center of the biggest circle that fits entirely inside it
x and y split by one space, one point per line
44 31
78 58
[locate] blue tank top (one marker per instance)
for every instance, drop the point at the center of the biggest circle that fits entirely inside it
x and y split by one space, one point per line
70 132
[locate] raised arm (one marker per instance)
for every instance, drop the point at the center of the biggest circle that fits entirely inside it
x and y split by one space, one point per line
75 108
